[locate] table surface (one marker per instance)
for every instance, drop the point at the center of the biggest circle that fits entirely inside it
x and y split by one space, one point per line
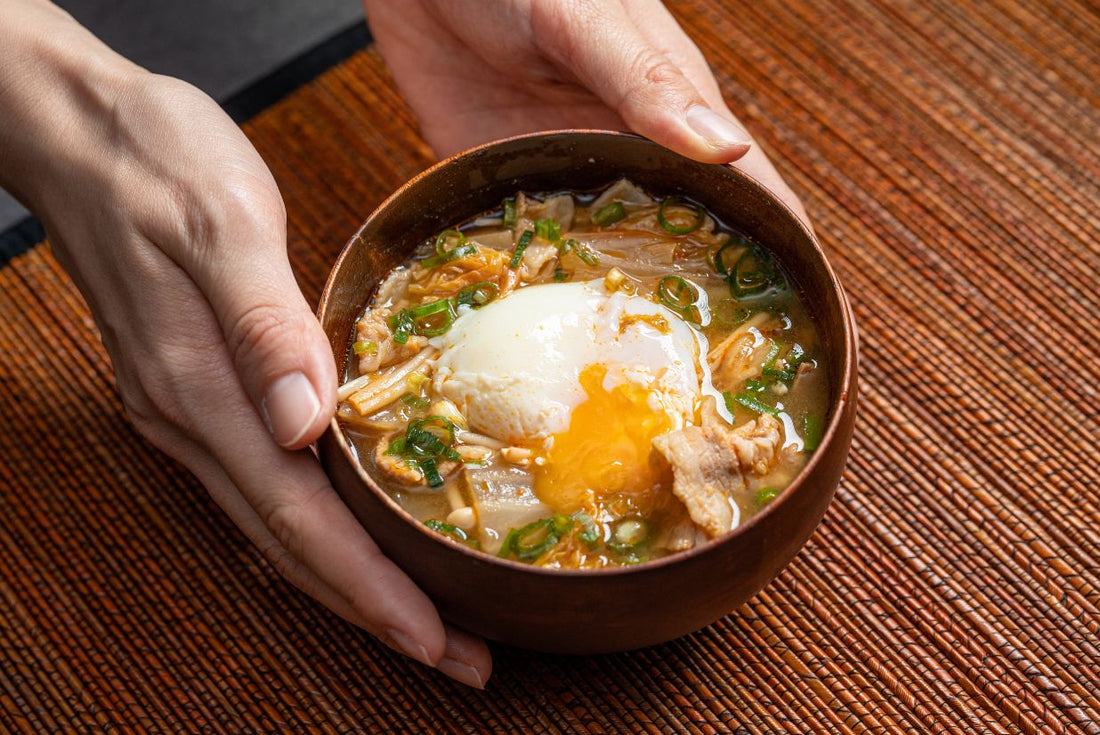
948 154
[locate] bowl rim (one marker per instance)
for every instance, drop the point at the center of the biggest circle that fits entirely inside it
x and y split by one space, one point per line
847 381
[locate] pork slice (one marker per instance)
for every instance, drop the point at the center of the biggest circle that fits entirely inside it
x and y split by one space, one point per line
535 258
372 327
705 476
710 464
560 208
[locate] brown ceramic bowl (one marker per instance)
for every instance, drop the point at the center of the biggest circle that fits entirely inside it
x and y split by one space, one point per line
615 609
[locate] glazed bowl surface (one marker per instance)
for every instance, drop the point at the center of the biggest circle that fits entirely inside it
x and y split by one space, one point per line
617 608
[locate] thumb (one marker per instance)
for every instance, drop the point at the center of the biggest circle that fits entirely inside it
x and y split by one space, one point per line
600 46
280 352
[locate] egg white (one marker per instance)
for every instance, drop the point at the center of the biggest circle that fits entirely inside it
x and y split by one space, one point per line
512 367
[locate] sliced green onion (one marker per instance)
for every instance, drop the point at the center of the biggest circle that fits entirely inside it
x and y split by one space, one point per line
458 251
587 255
415 401
424 442
548 229
401 324
517 255
535 539
752 403
773 353
727 311
676 293
766 495
508 217
590 532
728 398
700 216
812 431
478 295
560 275
609 214
431 472
363 347
785 376
448 529
752 274
628 534
433 319
680 296
442 237
721 263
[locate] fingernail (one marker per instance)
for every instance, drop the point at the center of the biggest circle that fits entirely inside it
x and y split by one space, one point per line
461 672
290 408
408 646
718 131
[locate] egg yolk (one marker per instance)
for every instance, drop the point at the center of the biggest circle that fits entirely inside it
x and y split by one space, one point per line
606 451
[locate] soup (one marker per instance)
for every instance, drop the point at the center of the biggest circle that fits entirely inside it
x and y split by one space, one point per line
585 379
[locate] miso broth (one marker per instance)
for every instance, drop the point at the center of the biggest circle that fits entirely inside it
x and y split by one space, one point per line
584 379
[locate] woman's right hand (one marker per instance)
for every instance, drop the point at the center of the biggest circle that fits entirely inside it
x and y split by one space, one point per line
172 227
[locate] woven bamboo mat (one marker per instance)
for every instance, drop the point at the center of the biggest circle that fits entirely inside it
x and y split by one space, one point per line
948 154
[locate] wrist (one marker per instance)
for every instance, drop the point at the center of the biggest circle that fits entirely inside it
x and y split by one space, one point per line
59 86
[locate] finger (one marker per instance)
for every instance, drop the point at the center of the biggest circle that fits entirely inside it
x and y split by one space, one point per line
599 44
292 499
659 27
280 499
279 351
466 658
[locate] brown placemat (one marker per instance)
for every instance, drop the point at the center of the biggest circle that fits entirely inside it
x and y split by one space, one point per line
948 154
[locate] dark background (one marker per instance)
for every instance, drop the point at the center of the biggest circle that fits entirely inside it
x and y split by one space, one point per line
222 47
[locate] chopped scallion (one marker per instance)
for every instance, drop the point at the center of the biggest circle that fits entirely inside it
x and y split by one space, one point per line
668 226
722 262
508 215
680 296
587 255
548 230
752 403
753 273
628 534
766 495
517 255
812 431
363 347
458 251
478 294
401 324
590 532
442 238
535 539
433 319
415 401
609 214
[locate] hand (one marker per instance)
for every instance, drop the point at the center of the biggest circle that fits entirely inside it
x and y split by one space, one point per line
478 70
174 230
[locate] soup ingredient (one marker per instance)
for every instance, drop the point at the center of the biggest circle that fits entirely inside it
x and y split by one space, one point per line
606 449
513 367
710 464
539 382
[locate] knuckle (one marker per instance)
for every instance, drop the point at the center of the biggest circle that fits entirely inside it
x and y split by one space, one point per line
240 211
650 75
287 520
257 332
284 563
